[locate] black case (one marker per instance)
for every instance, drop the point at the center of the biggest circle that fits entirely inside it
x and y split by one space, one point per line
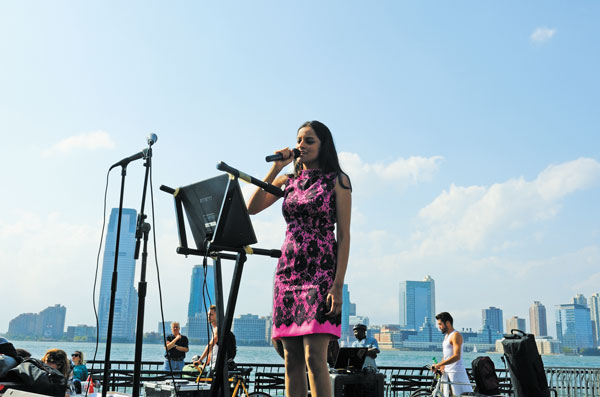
357 385
525 365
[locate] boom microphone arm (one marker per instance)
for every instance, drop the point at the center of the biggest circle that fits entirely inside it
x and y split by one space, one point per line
267 187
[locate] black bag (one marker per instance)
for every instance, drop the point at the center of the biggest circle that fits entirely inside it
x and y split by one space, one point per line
484 374
525 365
230 345
37 377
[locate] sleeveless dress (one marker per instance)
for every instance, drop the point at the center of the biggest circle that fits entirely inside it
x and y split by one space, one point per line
306 268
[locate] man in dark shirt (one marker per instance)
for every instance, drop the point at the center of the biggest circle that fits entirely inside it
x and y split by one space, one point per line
177 346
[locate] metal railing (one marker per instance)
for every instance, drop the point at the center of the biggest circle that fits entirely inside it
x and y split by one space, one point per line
399 381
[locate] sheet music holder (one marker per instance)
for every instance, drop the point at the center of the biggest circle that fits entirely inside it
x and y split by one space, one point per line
217 213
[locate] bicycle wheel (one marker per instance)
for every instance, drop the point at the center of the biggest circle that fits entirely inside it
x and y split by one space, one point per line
421 393
259 394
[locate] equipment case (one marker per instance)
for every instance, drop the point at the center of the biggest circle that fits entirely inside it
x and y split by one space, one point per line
525 365
357 385
184 389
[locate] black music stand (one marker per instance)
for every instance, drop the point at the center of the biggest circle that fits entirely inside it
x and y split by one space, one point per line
219 221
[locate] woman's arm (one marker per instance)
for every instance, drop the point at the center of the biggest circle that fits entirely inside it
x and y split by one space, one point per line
261 199
343 205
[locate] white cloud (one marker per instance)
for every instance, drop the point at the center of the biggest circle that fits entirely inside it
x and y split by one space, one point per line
87 141
402 172
541 35
469 218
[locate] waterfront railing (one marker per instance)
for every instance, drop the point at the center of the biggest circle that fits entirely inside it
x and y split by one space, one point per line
399 381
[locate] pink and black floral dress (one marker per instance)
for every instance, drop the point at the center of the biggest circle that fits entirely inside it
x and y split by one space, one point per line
306 269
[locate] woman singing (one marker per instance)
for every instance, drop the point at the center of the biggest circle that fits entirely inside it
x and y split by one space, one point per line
307 297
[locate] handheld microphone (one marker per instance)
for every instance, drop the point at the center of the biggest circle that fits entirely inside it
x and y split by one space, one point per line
127 160
279 156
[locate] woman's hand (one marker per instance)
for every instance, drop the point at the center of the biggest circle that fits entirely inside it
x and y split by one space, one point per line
288 157
334 300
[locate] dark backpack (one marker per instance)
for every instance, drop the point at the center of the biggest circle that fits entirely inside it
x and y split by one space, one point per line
36 377
484 374
230 345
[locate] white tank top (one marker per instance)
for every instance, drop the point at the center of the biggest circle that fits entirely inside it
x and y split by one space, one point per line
215 352
448 351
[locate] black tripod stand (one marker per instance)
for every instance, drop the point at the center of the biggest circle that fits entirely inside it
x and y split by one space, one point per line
142 229
221 228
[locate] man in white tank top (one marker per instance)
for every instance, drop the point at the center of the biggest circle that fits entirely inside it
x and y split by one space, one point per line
211 350
451 366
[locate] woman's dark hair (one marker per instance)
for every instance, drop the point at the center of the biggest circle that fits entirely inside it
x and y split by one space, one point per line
328 157
445 316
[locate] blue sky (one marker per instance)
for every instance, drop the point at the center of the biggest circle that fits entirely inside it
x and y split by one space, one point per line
470 132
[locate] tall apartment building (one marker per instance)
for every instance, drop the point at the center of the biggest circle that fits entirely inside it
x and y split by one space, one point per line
594 304
47 324
574 326
515 323
126 298
417 303
51 322
492 316
537 319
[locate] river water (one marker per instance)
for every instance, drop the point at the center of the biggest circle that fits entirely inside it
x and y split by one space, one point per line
268 355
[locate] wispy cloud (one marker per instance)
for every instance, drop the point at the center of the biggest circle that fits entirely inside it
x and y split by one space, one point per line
87 141
475 217
541 35
401 171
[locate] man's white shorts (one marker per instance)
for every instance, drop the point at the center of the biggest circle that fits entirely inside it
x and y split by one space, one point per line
457 390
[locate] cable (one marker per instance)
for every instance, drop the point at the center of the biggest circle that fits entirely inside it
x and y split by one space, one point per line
162 313
96 282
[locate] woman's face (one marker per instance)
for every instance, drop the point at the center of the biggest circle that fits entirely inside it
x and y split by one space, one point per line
309 145
75 358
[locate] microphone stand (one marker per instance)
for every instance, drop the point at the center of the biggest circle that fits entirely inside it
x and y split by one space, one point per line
142 230
113 288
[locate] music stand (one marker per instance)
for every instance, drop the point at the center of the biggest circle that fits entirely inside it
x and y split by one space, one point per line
219 222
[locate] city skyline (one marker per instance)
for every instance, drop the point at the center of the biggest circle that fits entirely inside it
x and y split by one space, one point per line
490 316
470 137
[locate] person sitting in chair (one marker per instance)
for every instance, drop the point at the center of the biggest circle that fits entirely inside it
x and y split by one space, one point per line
362 340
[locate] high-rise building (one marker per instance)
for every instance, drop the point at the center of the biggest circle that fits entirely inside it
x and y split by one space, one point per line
594 304
202 290
493 317
574 326
579 299
47 324
348 309
202 295
250 329
81 333
51 322
23 325
417 302
537 319
126 299
515 323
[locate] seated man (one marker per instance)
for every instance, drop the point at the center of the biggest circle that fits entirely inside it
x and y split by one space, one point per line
362 340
